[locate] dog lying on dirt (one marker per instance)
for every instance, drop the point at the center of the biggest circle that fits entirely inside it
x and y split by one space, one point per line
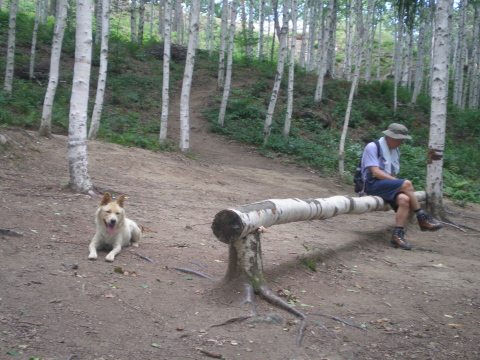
114 230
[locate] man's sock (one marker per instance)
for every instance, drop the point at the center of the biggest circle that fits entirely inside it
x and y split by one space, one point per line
419 212
398 229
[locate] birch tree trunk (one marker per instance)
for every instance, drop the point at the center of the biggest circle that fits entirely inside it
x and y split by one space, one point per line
34 40
301 60
9 69
141 21
98 19
438 115
233 224
459 61
331 63
311 36
223 45
250 29
77 129
398 54
379 51
228 75
210 27
102 72
58 32
291 71
261 20
347 69
358 64
474 68
420 62
167 36
187 77
133 21
278 74
240 229
323 52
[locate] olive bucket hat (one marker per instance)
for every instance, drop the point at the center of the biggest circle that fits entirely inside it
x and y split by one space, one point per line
397 131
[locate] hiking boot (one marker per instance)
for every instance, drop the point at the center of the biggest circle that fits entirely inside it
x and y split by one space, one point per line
427 223
398 240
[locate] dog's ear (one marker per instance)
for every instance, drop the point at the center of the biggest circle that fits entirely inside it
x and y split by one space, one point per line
106 199
120 200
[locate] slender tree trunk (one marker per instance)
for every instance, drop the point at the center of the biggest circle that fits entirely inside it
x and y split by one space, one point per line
398 54
34 40
261 37
311 36
420 62
358 64
291 71
459 61
58 32
102 72
210 27
98 21
141 21
323 52
228 75
474 67
223 45
278 75
332 43
77 129
188 75
9 69
167 36
303 46
379 51
438 116
250 29
133 21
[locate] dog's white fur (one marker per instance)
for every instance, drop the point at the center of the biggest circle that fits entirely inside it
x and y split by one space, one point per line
113 228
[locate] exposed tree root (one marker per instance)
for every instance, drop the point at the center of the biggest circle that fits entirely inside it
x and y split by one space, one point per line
338 319
142 256
250 298
233 320
458 226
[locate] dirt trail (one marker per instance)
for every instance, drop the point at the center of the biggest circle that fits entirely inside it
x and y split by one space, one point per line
56 304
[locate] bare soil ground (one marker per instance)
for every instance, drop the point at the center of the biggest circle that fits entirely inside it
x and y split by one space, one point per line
56 304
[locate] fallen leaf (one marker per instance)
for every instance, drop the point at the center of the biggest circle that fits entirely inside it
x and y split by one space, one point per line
456 325
144 286
109 296
156 345
449 316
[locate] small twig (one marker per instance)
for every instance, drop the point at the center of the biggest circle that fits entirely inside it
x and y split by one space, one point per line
233 320
10 232
193 272
142 256
211 354
338 319
325 328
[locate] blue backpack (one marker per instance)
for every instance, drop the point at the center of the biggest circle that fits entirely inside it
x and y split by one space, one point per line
359 184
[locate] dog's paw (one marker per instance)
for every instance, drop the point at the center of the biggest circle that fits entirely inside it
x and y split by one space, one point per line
109 258
92 257
135 244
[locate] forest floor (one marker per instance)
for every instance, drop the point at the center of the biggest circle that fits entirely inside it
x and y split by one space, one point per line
57 304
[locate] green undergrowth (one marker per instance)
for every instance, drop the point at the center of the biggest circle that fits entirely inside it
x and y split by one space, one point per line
132 109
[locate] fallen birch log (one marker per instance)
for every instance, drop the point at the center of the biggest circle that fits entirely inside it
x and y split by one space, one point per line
233 224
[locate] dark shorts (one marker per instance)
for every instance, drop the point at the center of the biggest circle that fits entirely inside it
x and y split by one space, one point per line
386 189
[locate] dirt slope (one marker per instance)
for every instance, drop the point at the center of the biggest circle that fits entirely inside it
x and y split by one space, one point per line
56 304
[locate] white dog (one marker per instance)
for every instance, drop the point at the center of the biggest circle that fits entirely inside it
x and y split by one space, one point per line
114 230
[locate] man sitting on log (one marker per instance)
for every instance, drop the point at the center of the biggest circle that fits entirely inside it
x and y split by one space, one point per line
379 169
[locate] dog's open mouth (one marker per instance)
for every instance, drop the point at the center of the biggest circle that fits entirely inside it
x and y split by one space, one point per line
110 228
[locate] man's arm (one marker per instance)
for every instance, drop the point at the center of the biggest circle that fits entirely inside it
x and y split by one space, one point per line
380 174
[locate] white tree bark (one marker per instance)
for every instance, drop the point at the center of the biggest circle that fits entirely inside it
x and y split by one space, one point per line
188 77
167 37
420 62
278 75
323 52
223 45
250 29
291 71
58 32
210 27
438 115
77 129
9 69
133 21
303 46
398 54
261 37
141 21
233 224
347 68
102 72
311 37
474 67
228 75
34 39
459 59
